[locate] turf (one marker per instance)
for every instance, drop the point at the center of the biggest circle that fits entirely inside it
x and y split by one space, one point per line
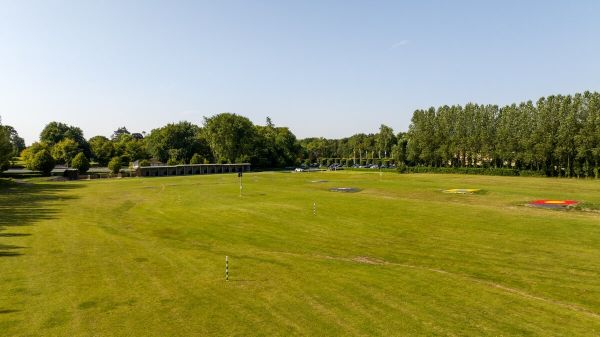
145 257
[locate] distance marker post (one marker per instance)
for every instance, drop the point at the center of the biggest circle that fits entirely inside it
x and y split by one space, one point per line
226 268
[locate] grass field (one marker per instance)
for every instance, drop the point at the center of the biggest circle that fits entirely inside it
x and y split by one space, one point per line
145 257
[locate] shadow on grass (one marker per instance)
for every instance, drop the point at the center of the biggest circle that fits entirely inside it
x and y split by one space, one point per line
26 204
8 311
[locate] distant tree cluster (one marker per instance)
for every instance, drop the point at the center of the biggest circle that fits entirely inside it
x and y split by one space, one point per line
223 138
556 136
358 149
59 144
559 135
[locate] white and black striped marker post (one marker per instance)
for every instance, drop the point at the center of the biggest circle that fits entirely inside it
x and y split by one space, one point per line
226 268
314 208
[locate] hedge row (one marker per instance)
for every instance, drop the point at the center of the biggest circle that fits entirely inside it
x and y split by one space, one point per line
471 170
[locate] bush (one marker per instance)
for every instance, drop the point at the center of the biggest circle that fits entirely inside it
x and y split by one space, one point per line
243 159
470 170
196 159
527 173
144 162
172 162
114 165
81 163
43 162
125 159
459 170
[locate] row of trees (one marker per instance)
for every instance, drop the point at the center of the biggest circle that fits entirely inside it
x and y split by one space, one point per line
223 138
358 148
558 135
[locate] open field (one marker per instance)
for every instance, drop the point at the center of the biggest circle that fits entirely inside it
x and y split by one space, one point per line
145 257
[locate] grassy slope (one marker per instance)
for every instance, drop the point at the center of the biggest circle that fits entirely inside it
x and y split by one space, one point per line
145 257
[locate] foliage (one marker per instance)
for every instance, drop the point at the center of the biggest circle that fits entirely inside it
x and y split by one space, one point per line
43 162
6 148
196 159
81 163
229 136
55 132
384 140
173 161
65 150
556 136
461 170
128 145
360 147
182 139
29 153
144 162
114 165
125 160
274 147
119 132
18 143
102 149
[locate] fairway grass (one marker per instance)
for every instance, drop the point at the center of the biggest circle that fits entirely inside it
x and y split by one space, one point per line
146 257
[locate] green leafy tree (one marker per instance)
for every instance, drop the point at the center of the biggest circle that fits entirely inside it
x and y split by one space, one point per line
183 136
114 165
384 140
102 149
65 150
29 153
273 147
6 148
175 157
118 133
55 132
196 159
43 162
134 148
229 136
81 163
18 143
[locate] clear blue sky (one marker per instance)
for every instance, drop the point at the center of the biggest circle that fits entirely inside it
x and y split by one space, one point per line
323 68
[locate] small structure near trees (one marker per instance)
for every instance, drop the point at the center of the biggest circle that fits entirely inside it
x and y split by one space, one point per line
176 170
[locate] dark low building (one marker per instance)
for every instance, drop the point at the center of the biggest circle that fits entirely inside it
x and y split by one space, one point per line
68 173
179 170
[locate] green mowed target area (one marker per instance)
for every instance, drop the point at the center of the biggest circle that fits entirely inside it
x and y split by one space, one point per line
146 257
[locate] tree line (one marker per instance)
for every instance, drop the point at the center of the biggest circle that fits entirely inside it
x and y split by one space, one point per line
359 149
555 136
223 138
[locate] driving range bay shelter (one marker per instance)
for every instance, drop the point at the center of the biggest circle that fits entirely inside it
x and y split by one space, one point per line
179 170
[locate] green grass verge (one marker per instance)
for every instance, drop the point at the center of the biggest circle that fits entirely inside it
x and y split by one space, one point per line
145 257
